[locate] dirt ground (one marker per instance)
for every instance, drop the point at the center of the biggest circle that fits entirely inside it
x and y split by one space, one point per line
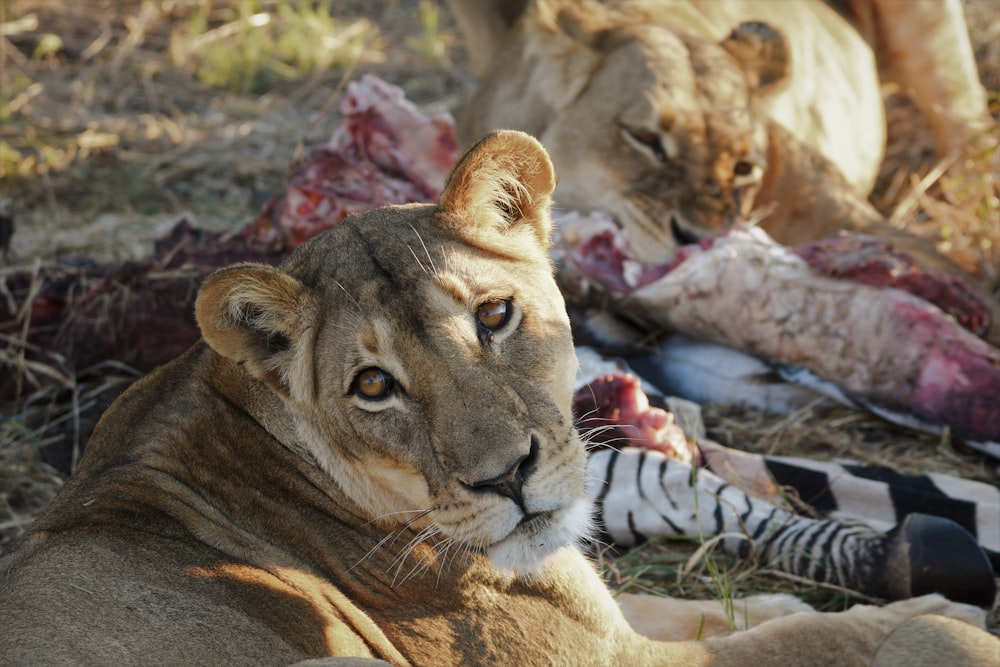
119 117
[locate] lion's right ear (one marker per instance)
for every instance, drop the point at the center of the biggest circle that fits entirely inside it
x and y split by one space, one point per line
762 52
255 314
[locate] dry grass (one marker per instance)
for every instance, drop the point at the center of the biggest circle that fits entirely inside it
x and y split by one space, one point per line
26 486
108 139
111 128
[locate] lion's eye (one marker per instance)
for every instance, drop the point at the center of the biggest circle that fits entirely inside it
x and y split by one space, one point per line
494 314
651 141
373 384
746 172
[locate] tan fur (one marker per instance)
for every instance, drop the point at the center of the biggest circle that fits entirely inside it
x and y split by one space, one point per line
924 46
702 618
690 111
246 504
931 641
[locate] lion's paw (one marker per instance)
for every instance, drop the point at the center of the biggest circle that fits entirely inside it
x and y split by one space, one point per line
756 609
941 606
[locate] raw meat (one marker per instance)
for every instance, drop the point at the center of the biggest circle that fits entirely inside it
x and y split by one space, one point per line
885 348
613 410
873 261
386 152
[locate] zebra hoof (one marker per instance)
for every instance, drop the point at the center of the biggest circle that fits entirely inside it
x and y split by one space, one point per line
940 557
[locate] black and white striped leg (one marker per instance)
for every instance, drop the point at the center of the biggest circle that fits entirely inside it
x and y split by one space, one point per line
641 493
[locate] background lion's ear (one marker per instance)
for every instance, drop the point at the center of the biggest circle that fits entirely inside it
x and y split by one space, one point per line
485 23
504 182
762 52
254 314
562 41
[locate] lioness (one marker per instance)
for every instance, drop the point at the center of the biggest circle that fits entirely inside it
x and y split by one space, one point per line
680 117
371 454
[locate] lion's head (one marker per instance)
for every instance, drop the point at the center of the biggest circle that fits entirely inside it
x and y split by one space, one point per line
633 121
425 356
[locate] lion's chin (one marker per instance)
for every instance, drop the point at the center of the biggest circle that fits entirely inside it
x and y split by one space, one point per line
524 551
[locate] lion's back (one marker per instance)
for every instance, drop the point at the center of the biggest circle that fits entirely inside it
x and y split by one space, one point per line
116 600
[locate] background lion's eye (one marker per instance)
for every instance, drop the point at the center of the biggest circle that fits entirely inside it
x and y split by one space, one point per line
373 384
651 141
493 314
747 172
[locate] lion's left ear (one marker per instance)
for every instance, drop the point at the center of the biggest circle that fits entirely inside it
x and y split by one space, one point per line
256 315
762 53
502 184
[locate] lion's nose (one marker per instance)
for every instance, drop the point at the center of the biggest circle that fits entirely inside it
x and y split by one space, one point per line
510 483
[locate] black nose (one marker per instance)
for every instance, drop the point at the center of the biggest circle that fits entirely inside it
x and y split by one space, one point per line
511 483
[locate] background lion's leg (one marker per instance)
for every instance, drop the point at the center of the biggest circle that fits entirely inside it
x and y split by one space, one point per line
700 619
924 46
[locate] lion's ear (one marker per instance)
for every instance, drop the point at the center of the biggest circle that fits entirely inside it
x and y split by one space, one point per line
762 53
255 314
561 39
503 183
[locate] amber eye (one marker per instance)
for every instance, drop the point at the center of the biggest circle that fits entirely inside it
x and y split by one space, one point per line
747 172
493 314
652 142
373 384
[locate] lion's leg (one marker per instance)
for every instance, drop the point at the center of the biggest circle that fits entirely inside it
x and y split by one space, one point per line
926 45
931 641
672 619
851 637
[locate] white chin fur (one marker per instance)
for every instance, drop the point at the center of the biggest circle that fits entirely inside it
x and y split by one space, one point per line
523 552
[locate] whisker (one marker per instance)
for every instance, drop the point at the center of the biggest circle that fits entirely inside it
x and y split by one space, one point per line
423 535
349 296
446 561
590 444
469 548
426 251
597 430
393 534
402 555
419 263
422 513
587 415
424 564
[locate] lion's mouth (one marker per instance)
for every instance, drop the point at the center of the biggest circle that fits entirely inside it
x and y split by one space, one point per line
599 249
530 517
539 534
682 235
605 259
